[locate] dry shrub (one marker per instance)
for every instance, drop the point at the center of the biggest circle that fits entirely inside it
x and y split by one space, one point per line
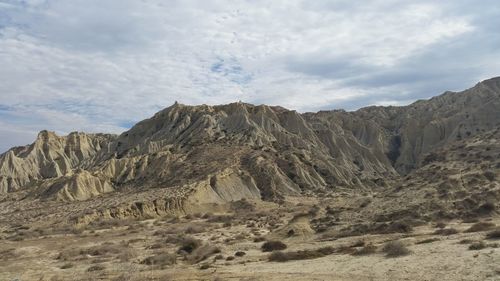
239 254
162 259
480 226
259 239
188 228
366 250
174 239
204 266
466 241
490 175
359 243
202 253
270 246
429 240
495 234
188 245
195 228
100 250
280 256
477 246
376 228
486 208
66 266
155 246
395 249
470 220
446 231
96 268
221 219
440 224
104 224
8 254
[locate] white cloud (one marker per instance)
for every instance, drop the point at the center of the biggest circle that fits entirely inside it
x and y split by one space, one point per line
101 64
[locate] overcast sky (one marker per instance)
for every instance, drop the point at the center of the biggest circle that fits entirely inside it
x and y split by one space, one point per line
102 65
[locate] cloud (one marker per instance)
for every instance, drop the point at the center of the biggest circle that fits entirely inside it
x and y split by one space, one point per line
101 65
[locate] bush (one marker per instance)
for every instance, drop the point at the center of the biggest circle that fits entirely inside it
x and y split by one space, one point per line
477 246
270 246
446 231
395 249
280 256
495 234
480 226
160 259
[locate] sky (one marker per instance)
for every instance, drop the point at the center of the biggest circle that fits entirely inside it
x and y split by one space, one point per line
103 65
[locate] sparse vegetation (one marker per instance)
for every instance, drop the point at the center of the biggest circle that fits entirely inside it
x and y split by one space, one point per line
395 249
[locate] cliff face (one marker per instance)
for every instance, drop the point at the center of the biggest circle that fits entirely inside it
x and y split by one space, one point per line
228 152
50 156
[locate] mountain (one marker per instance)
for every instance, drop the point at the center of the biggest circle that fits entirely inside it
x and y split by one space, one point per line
206 155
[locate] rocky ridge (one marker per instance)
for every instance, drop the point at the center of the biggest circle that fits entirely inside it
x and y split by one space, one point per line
218 154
